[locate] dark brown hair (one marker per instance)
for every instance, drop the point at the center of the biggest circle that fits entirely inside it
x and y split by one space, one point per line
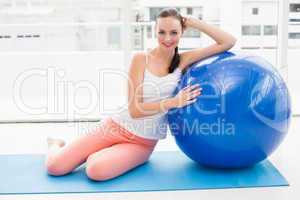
172 12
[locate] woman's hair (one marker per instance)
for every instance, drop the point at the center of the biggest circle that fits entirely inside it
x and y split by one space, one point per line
172 12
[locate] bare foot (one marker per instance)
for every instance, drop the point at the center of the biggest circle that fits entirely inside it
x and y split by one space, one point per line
53 141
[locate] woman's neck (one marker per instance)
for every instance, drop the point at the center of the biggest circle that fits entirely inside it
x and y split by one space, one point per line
163 54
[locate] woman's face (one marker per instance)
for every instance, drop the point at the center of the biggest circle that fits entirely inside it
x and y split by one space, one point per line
168 32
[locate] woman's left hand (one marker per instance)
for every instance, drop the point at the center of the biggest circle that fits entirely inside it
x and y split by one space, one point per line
188 21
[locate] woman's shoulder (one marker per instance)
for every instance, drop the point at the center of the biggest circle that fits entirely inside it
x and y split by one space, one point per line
138 61
139 56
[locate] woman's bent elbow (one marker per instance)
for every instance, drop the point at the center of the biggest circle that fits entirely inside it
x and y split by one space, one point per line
232 42
133 114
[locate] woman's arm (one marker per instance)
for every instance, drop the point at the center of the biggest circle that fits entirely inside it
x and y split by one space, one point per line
224 41
137 108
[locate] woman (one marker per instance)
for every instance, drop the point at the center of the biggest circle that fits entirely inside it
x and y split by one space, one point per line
127 140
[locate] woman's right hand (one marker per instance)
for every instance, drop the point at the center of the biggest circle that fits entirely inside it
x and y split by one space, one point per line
187 95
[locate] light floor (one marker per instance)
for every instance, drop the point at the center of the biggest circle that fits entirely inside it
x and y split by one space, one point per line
30 138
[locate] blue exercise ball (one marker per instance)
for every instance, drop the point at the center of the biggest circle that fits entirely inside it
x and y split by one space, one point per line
241 116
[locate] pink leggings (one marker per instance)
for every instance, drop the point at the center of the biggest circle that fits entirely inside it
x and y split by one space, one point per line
109 151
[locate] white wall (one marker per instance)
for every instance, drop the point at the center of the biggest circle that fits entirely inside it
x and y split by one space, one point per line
230 20
64 83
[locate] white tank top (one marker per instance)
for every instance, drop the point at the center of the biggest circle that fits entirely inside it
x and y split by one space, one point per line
155 88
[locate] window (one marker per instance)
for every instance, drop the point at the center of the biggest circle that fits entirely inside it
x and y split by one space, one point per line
294 35
191 33
294 7
189 11
5 36
40 26
254 11
154 12
113 37
250 30
178 9
137 36
270 30
149 31
294 20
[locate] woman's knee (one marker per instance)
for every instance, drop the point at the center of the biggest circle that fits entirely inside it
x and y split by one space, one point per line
98 172
55 167
102 171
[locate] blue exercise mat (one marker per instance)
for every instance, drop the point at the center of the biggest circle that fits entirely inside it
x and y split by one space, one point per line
25 174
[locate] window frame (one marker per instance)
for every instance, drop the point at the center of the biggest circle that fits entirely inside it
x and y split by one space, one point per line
282 34
255 11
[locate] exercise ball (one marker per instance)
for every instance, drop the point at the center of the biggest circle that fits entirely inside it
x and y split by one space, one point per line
241 116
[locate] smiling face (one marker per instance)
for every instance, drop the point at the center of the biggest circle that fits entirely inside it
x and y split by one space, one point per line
168 32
